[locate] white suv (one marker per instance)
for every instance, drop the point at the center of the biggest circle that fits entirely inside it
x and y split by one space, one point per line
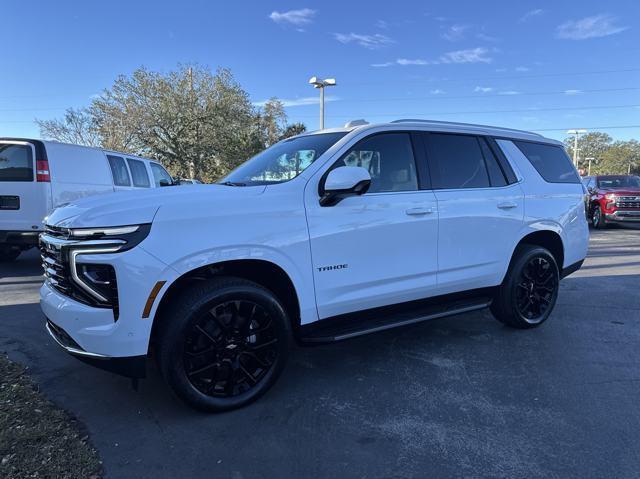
321 237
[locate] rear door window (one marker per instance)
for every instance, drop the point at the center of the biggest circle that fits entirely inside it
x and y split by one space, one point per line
550 161
16 162
159 174
457 162
139 173
119 171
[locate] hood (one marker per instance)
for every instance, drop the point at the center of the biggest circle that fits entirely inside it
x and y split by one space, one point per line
140 206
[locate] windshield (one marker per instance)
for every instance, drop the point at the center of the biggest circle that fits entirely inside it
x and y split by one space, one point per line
283 161
618 182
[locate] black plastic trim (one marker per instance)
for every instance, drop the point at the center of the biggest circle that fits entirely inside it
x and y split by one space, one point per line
572 268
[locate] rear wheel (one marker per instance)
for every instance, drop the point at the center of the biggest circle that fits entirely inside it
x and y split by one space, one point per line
223 343
530 290
9 253
597 219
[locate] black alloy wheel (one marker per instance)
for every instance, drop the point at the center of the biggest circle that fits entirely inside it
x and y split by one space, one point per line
530 288
223 343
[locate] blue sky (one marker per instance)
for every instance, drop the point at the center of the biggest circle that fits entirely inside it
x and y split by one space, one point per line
537 65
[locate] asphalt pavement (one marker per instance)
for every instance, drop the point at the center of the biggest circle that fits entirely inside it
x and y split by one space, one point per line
455 397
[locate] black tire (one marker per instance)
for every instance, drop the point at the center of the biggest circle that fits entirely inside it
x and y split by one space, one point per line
223 343
8 253
530 289
597 219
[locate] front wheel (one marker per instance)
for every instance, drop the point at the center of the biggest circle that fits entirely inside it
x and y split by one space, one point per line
223 343
530 290
597 219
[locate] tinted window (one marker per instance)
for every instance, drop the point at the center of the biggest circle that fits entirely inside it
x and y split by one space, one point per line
284 160
457 162
550 161
16 163
139 173
389 160
159 173
618 182
119 171
496 176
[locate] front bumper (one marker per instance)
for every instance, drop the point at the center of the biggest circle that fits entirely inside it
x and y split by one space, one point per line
131 367
623 216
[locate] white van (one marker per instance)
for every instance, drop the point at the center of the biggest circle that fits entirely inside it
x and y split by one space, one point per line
37 176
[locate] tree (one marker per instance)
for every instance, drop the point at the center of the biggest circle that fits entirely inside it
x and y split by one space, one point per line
293 130
197 123
77 126
591 145
621 158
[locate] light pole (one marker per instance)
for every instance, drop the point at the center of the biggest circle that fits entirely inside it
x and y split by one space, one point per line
575 144
589 167
321 84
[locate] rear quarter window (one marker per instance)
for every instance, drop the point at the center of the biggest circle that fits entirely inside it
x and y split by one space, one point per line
550 161
16 162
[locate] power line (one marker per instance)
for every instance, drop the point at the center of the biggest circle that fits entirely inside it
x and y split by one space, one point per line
521 110
615 127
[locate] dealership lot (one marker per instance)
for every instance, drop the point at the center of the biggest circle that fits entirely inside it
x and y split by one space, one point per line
462 396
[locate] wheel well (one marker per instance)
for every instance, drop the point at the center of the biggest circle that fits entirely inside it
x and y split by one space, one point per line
549 240
265 273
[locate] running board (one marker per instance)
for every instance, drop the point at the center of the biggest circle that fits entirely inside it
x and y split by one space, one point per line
352 325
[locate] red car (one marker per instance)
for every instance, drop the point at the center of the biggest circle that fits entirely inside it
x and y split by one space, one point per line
612 199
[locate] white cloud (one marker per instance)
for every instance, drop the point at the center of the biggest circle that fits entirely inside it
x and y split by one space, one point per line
437 91
509 92
522 69
590 27
472 55
382 24
483 89
572 92
531 14
455 32
415 61
487 38
296 18
372 42
308 100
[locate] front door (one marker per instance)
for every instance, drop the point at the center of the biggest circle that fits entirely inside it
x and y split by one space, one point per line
380 248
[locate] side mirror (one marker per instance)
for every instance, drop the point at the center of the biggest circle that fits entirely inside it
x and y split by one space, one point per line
343 182
164 182
591 190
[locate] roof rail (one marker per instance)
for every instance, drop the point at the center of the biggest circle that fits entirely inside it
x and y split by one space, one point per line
455 123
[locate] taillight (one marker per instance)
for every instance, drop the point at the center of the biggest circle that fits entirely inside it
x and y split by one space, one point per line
42 171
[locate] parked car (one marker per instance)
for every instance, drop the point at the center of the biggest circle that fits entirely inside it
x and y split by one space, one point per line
36 176
322 237
188 181
613 199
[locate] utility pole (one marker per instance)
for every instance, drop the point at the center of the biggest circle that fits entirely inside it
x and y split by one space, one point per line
575 144
589 165
321 84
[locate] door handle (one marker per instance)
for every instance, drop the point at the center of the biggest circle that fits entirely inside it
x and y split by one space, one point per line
507 205
419 211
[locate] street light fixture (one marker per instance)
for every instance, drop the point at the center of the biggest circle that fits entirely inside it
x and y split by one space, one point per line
321 84
575 144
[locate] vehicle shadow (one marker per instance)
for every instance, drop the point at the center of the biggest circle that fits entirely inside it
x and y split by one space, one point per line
28 264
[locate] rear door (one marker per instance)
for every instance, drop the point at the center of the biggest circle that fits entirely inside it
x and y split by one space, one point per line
24 201
481 210
139 173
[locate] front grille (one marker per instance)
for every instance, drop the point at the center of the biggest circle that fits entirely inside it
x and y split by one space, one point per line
628 202
56 267
54 251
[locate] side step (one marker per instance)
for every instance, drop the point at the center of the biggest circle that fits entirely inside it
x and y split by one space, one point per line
350 325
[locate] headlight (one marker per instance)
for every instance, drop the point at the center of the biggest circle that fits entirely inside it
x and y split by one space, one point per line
126 237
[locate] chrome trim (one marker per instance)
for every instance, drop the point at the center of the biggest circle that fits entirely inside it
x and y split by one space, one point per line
74 273
58 242
74 351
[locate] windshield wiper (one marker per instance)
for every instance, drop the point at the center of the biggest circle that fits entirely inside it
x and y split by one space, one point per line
232 183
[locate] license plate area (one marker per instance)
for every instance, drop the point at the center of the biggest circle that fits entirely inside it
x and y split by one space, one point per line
9 202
